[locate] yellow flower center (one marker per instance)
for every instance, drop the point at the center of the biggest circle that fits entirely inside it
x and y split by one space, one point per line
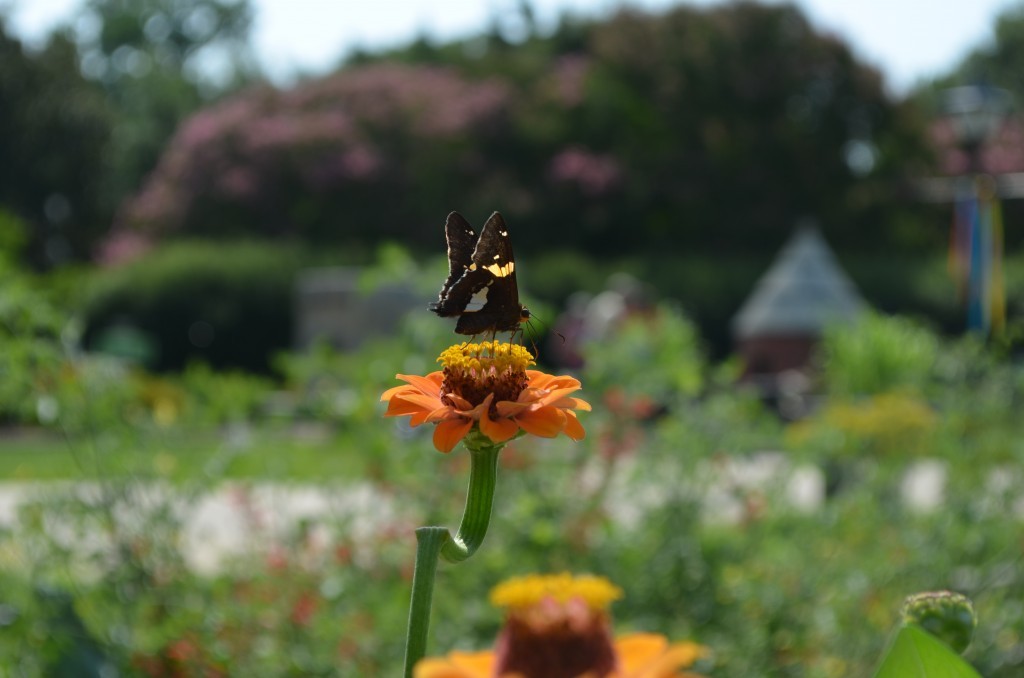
556 626
487 355
473 371
523 592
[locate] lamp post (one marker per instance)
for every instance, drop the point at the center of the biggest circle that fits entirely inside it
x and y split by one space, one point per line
976 113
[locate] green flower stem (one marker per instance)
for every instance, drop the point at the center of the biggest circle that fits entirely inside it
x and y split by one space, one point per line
483 474
435 542
428 547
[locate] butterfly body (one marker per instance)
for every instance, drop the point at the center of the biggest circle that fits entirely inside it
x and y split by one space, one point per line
481 288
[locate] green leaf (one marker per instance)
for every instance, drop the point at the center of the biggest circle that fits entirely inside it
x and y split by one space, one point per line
915 653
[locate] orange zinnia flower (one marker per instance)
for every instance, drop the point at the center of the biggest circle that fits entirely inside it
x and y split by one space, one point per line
557 626
487 387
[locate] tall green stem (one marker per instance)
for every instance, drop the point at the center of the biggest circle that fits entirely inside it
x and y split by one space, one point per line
432 542
428 546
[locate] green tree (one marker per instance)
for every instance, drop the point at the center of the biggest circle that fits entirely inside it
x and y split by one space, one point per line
728 125
158 61
54 126
694 130
999 62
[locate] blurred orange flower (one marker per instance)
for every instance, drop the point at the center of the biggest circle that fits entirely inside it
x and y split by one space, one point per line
487 387
557 626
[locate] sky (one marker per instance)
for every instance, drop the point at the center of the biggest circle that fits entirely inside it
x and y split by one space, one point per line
908 40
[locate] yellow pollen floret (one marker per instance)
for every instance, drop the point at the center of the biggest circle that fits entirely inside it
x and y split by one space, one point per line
486 356
523 592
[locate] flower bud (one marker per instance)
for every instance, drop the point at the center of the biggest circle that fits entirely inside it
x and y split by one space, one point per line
948 616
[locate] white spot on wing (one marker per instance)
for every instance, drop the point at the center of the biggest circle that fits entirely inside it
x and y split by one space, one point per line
477 301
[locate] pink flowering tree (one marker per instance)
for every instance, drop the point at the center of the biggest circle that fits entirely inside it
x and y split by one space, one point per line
340 159
699 128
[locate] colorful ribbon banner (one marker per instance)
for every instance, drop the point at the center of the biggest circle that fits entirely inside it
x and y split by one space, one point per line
976 255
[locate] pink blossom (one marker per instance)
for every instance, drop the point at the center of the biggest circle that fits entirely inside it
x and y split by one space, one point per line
570 74
121 247
1001 154
317 135
593 173
239 182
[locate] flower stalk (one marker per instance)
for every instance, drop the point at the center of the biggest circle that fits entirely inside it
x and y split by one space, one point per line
483 475
434 543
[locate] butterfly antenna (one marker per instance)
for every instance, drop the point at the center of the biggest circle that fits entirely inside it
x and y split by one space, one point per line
533 336
546 326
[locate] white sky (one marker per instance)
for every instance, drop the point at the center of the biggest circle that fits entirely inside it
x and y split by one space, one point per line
906 39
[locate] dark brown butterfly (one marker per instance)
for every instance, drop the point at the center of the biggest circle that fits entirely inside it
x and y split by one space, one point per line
481 286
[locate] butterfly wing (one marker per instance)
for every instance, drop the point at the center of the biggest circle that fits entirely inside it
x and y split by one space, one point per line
488 288
461 243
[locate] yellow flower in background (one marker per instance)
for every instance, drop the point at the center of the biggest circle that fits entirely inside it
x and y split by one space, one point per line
558 626
487 386
888 424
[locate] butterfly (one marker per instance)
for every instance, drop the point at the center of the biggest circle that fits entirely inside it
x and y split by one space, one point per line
481 286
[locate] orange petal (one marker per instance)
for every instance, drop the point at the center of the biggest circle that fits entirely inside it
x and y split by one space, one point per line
424 402
573 427
637 651
456 665
538 379
557 394
507 408
440 414
436 668
550 381
459 402
428 385
546 422
441 668
530 395
498 430
448 433
572 404
392 392
476 664
422 416
477 411
683 655
398 406
677 656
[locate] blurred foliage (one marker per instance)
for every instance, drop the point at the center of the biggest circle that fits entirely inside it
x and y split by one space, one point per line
882 353
664 496
158 61
883 424
31 352
702 128
86 117
656 354
125 313
673 123
54 127
230 305
998 62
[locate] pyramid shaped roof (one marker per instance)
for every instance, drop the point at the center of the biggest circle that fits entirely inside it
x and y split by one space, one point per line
804 290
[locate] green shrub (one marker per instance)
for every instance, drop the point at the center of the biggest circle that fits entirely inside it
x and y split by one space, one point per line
227 304
878 354
31 354
656 354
